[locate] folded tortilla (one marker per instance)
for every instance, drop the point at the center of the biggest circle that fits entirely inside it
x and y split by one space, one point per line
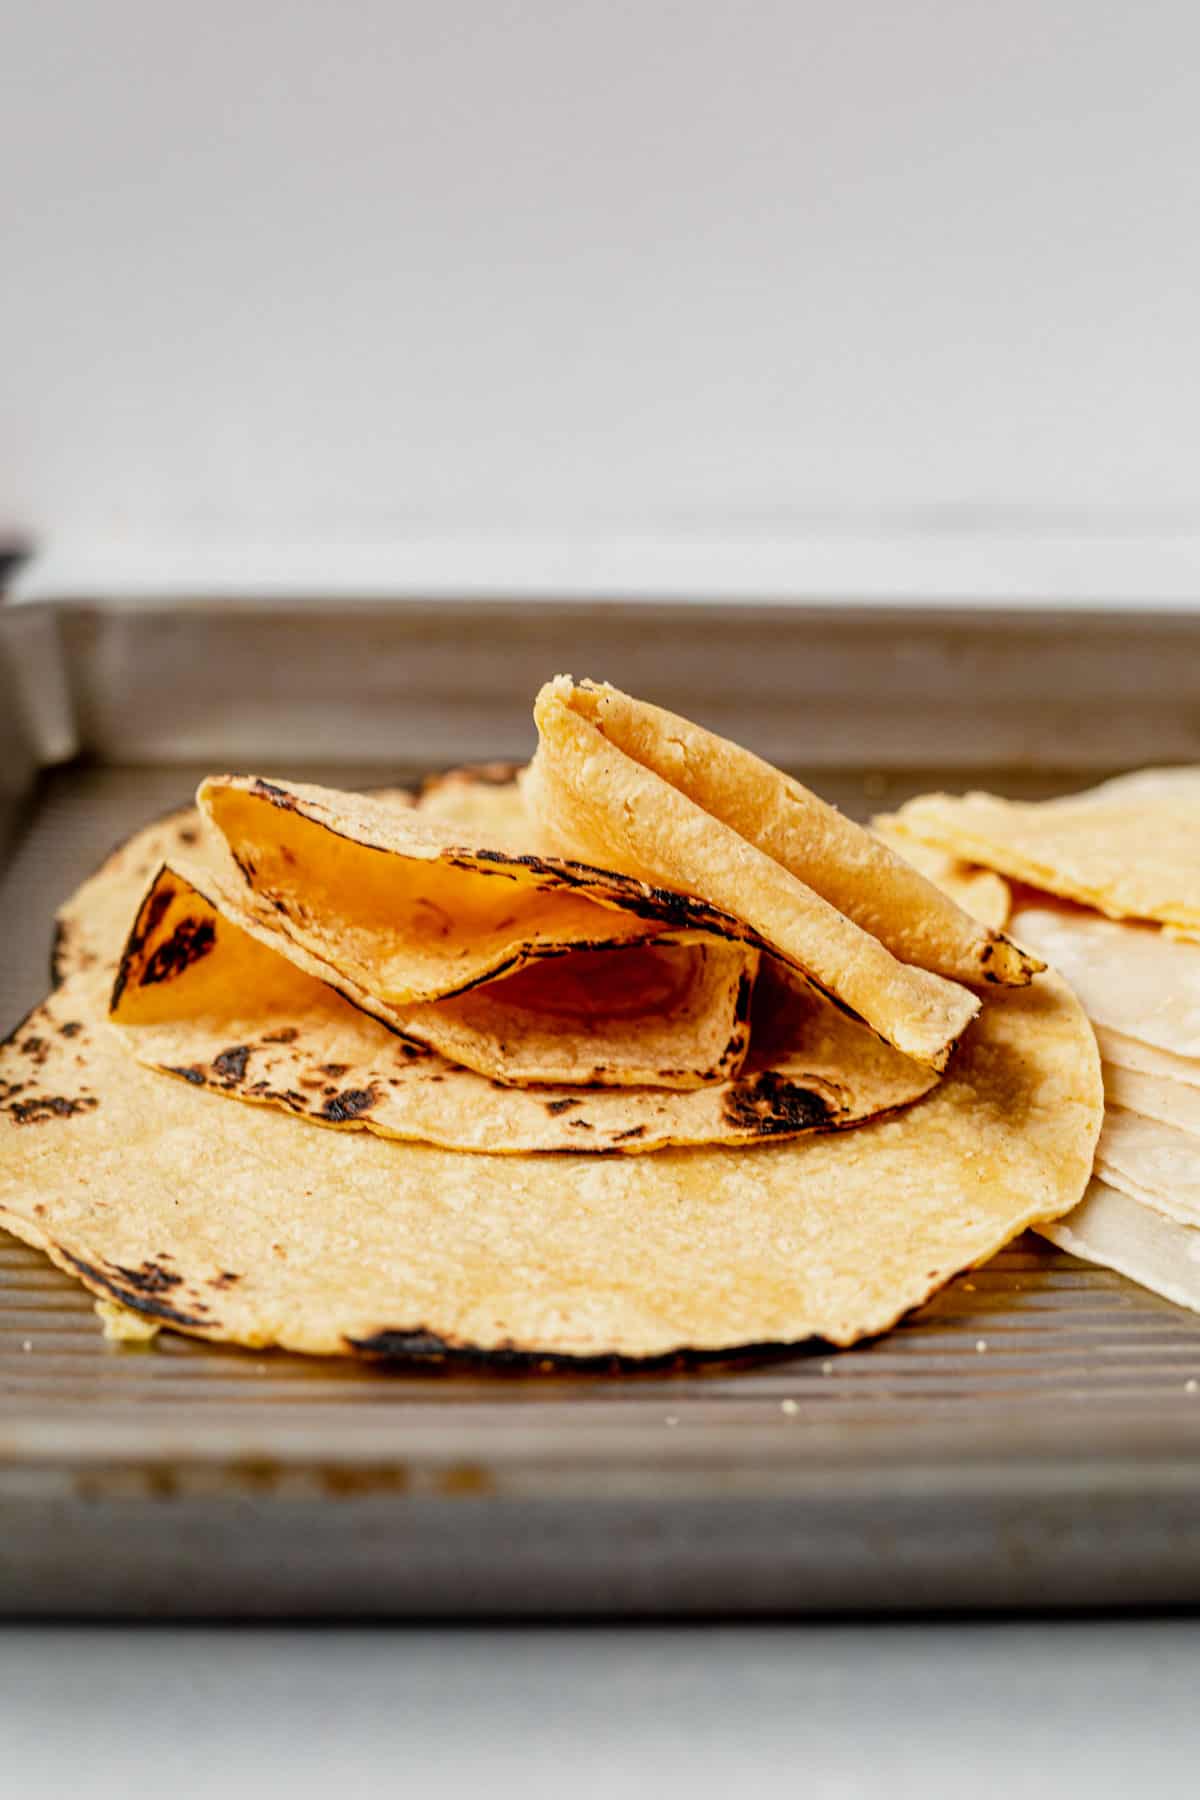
636 790
1129 848
980 892
488 799
238 1223
481 950
198 997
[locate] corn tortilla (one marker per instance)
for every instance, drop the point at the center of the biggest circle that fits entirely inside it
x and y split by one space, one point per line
1134 979
199 998
858 873
1129 848
440 937
590 798
980 892
1174 1103
1118 1232
238 1223
1151 1162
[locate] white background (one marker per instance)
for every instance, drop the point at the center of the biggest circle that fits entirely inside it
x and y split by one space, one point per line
879 294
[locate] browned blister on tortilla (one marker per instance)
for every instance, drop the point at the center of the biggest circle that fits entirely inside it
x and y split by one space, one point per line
198 997
592 796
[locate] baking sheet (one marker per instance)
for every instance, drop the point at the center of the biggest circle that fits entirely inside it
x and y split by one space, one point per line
1029 1438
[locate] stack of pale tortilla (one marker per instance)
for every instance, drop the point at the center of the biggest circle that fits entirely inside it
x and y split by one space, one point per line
646 1051
1117 912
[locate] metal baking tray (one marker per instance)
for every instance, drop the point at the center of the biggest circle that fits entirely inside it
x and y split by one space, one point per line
1028 1439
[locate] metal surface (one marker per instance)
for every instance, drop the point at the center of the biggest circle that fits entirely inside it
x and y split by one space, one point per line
825 687
1029 1438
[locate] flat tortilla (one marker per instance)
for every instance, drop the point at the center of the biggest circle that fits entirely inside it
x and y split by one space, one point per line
1151 1162
1144 1059
1129 848
199 998
1110 1228
1174 1103
591 798
1134 979
236 1223
445 938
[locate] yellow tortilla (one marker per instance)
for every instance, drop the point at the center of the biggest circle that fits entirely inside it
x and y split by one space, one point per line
858 873
593 799
980 892
1129 848
201 999
441 937
238 1223
487 800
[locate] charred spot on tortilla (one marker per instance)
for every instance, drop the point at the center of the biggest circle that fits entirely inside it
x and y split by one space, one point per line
71 1028
287 1034
150 1277
769 1104
193 1074
190 940
225 1279
111 1284
554 1107
232 1063
419 1345
333 1069
472 861
350 1104
149 917
47 1106
60 946
276 795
